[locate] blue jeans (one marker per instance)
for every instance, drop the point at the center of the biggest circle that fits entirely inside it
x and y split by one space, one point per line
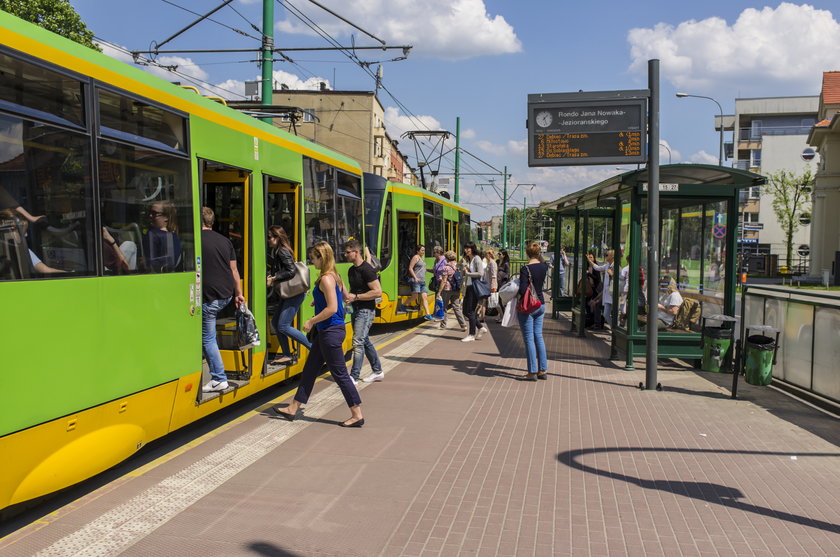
562 278
209 311
282 319
362 346
532 334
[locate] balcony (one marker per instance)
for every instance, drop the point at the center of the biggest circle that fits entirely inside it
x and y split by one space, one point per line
755 134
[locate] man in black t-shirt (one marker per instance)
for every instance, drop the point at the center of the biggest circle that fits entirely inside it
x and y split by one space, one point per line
364 290
219 284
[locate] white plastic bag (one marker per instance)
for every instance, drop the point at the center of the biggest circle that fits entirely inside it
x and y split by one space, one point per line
510 314
247 333
493 300
509 291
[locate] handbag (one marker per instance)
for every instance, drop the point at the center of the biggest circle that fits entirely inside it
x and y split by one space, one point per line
480 288
247 334
529 303
296 285
493 301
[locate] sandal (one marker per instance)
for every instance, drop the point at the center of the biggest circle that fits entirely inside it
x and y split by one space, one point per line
282 361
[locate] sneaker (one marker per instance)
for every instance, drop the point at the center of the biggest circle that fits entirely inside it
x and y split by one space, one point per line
353 379
428 317
376 376
214 386
479 333
484 329
443 324
468 338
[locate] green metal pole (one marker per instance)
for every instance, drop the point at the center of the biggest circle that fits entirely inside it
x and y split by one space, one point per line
457 157
504 212
268 55
522 243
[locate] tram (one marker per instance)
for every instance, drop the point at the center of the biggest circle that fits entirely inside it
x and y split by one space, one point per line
103 172
398 218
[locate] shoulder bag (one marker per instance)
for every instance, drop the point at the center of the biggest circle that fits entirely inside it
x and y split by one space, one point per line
529 302
296 285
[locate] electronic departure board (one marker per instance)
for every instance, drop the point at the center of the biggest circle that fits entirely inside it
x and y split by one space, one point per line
608 127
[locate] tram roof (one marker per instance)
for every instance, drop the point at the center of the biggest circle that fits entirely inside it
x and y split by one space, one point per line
705 174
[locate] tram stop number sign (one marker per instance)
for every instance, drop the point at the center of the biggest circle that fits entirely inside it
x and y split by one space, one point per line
575 129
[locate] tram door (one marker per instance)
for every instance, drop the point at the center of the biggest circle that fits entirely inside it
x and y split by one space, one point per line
408 237
227 191
282 209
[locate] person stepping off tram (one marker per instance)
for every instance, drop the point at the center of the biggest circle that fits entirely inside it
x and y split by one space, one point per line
220 285
364 290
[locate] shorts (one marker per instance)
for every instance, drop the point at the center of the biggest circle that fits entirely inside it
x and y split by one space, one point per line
419 286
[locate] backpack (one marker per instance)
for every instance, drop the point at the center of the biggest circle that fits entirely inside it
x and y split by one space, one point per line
688 314
455 280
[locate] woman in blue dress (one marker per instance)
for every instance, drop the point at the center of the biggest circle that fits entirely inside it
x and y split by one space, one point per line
327 333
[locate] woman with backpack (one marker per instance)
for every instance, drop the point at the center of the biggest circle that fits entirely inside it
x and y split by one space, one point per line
474 271
449 289
531 280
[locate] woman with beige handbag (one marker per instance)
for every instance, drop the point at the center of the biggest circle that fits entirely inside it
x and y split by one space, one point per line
284 272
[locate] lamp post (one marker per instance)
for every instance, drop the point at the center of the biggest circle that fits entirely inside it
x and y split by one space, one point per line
667 149
720 153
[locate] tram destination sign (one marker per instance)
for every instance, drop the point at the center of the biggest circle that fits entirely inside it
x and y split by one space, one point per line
571 129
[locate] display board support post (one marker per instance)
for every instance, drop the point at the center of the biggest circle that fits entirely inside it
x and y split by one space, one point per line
457 158
653 227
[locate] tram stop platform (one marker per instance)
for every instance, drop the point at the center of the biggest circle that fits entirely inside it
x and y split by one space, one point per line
459 457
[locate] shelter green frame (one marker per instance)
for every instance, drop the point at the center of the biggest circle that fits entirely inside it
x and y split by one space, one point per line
693 183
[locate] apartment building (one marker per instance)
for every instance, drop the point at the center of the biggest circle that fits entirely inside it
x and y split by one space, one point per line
825 138
771 134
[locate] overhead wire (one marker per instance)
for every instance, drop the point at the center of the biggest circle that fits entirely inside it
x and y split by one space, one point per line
235 30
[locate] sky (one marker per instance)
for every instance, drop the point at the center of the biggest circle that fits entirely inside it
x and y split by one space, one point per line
479 60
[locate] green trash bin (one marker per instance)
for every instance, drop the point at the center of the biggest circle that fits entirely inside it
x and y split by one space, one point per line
717 342
758 359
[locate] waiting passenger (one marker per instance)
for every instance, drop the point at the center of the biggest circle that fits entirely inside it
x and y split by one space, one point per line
282 270
327 334
531 324
606 291
473 271
417 281
162 247
669 305
449 293
491 277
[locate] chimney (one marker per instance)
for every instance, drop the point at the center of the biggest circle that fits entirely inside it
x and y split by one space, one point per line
323 86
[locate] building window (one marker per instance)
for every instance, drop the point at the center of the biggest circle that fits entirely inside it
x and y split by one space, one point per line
378 170
377 146
755 158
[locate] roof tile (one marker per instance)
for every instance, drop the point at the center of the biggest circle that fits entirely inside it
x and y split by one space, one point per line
831 87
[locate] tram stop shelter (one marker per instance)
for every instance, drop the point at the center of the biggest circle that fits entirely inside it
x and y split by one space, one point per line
698 206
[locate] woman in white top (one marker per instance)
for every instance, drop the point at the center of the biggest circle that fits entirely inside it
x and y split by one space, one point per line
669 305
606 292
475 270
491 277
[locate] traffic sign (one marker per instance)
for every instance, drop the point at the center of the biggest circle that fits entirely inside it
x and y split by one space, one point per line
719 231
753 226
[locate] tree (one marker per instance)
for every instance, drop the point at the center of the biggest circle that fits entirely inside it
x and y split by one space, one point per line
57 16
791 201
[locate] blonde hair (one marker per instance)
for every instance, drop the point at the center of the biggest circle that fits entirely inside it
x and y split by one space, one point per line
327 257
490 253
450 255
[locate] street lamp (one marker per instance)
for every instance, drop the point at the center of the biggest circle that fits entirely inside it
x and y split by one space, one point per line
720 153
667 149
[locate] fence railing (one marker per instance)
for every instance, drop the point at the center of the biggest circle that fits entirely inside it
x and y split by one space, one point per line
809 344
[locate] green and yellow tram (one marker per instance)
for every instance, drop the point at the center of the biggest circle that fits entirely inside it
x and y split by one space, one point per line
398 218
103 171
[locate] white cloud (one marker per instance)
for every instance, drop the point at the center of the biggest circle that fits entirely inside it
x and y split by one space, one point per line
512 147
702 157
468 133
397 123
789 45
667 153
489 147
445 29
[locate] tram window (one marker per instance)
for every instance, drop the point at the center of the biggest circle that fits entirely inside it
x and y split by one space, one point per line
387 242
146 210
39 92
45 171
373 209
464 230
319 203
348 208
133 120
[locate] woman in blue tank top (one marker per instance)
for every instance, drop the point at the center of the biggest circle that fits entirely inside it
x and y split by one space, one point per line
327 333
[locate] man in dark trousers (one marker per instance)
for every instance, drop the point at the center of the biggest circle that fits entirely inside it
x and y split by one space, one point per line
220 284
364 290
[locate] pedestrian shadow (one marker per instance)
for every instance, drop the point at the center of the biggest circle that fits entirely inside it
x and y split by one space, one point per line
268 549
703 491
480 369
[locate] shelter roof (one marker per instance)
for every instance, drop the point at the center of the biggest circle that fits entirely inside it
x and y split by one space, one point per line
668 174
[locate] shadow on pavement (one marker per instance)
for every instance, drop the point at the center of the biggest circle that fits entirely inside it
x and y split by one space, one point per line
703 491
270 550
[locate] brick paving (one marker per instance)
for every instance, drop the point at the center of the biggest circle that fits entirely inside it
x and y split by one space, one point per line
459 457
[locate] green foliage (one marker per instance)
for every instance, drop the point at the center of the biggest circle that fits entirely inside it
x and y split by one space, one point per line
57 16
791 199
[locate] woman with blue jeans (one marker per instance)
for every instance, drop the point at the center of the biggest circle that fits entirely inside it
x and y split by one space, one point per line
283 269
532 323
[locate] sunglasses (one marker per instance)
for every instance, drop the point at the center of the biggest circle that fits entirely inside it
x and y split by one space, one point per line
154 214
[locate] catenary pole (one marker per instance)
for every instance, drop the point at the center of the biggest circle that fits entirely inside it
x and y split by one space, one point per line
653 225
522 243
268 55
504 212
457 157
